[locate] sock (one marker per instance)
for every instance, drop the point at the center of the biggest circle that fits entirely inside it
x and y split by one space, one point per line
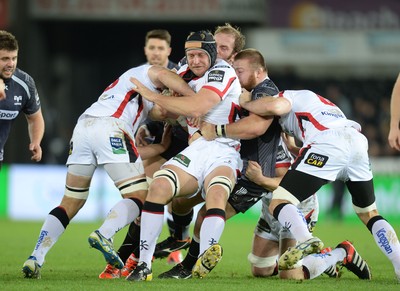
122 214
316 264
150 228
290 217
386 239
131 242
193 253
182 225
211 228
53 227
171 225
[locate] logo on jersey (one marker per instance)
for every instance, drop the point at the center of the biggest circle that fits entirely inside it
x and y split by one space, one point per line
281 154
117 145
316 160
184 160
333 113
8 115
216 76
17 100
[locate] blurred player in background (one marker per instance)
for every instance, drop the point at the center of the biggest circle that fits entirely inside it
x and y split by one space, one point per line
18 94
394 133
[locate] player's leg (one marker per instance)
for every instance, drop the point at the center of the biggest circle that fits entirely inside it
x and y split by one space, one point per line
385 236
283 208
75 195
166 185
218 184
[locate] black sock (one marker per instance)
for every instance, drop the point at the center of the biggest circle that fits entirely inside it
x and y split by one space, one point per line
191 257
131 242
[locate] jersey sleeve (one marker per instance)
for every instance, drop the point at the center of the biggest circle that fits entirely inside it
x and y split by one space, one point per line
33 103
219 79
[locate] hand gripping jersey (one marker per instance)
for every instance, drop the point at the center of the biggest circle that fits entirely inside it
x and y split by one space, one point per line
222 79
21 95
311 114
120 100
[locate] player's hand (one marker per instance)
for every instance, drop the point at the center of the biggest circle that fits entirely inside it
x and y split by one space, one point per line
208 131
143 90
394 138
36 151
166 137
2 90
254 172
141 135
244 97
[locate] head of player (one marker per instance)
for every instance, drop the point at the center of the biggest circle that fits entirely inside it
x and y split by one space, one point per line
158 47
8 54
250 67
229 41
200 51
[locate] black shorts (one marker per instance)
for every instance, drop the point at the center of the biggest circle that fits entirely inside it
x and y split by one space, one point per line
245 194
179 141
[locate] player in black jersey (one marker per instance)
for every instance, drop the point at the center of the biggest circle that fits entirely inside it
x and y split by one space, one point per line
18 94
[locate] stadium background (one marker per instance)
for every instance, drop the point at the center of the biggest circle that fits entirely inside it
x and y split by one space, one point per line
74 49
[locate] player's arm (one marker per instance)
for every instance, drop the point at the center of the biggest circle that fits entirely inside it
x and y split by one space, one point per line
394 132
36 132
2 90
195 105
265 106
248 127
254 173
164 78
151 150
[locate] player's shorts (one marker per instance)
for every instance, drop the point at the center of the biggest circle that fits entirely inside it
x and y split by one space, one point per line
102 140
336 154
179 141
245 194
269 228
202 157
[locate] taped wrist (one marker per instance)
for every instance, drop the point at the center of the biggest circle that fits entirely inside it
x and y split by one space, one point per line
220 130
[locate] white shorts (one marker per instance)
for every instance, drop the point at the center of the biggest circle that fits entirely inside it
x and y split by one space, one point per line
336 154
269 228
202 157
102 140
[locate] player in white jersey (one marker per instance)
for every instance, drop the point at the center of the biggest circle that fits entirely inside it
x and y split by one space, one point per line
104 135
208 165
333 148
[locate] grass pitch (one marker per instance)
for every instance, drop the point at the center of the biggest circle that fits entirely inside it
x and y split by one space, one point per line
72 265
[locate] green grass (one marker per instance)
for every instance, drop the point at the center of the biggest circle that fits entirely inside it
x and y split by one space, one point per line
72 265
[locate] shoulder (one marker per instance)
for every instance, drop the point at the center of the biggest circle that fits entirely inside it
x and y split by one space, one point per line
265 88
21 76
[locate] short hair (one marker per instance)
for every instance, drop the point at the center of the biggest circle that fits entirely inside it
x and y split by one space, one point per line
240 39
160 34
8 41
254 56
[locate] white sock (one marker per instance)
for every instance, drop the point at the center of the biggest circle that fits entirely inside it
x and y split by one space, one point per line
51 230
318 263
291 218
210 231
150 228
122 214
387 240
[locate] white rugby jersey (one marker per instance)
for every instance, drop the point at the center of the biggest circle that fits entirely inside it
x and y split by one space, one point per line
222 79
120 100
311 114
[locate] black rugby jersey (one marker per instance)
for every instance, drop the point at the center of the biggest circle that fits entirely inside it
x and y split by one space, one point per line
21 96
262 149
